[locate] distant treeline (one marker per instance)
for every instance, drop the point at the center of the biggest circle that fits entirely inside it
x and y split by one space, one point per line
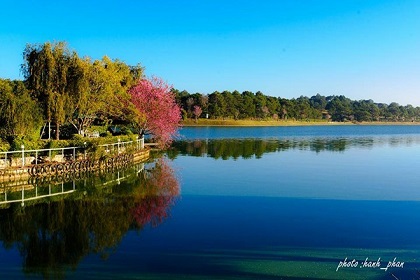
249 105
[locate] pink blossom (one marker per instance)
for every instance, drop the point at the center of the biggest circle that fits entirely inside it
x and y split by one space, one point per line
158 112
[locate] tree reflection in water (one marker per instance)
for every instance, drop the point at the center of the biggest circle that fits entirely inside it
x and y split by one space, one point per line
160 188
53 236
255 148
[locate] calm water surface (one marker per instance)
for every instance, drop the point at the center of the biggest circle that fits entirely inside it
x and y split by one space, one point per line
234 203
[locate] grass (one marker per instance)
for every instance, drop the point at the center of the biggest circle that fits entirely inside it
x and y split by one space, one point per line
249 122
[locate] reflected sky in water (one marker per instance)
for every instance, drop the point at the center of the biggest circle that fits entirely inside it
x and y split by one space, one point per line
296 131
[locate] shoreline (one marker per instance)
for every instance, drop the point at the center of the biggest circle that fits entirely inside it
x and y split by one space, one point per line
244 123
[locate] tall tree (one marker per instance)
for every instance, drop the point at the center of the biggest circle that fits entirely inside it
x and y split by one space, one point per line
99 88
217 105
340 108
19 113
156 110
248 106
45 71
197 112
204 102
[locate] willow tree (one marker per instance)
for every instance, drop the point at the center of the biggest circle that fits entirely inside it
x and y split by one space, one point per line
19 113
45 70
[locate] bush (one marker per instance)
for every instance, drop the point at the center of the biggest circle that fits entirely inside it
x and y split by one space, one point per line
52 144
17 142
105 134
99 128
77 140
4 146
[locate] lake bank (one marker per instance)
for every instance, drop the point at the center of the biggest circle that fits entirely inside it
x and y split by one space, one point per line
230 122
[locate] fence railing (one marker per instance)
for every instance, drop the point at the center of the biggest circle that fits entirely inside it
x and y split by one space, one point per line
24 191
24 157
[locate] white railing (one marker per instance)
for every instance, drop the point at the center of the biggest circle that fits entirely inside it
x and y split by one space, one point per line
24 157
28 192
121 146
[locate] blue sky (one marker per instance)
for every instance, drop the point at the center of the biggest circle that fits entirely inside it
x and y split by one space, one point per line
361 49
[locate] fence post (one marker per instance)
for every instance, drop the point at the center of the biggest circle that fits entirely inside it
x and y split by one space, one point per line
23 196
23 155
84 144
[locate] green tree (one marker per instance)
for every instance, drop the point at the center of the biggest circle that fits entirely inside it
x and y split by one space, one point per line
217 105
204 102
273 105
231 105
19 113
340 108
45 71
248 109
303 107
237 97
99 90
318 102
260 102
365 110
394 110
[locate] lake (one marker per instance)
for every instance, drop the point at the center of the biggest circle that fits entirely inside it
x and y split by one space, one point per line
316 202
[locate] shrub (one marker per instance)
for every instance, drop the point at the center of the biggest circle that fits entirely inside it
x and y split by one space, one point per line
4 146
105 134
17 142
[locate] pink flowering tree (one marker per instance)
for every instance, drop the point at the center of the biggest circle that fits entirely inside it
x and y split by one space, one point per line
197 112
156 110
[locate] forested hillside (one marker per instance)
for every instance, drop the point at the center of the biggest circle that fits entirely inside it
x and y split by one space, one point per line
249 105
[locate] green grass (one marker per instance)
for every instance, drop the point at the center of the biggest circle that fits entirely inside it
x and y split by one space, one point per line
271 122
250 122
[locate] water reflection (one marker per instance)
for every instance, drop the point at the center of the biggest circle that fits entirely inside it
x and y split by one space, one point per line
54 233
255 148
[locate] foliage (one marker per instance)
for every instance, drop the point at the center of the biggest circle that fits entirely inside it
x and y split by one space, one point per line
76 90
99 128
19 113
46 71
197 111
248 105
156 111
29 144
51 144
74 93
101 87
4 145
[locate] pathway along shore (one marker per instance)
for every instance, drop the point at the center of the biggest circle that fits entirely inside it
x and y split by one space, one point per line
83 165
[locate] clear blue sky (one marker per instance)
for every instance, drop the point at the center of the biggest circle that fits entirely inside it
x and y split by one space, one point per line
361 49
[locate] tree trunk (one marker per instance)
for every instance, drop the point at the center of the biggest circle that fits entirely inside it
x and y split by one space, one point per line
57 131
